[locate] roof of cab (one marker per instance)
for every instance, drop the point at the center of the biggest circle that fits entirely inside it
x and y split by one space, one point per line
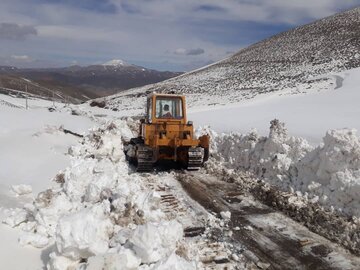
164 95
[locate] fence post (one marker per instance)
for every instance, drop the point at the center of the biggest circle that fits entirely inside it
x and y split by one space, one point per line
26 96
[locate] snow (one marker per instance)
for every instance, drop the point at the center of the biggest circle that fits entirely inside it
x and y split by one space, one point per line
33 151
115 63
328 174
26 134
308 115
225 215
152 242
98 212
21 189
15 217
123 259
84 233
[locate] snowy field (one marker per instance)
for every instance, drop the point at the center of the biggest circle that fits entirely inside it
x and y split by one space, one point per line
308 115
32 151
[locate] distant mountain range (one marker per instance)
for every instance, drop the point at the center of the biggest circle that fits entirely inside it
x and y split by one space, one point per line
292 61
81 83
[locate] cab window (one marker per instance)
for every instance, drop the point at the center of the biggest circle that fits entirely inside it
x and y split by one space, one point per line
149 110
168 107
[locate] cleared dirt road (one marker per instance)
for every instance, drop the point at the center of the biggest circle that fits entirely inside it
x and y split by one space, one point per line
272 240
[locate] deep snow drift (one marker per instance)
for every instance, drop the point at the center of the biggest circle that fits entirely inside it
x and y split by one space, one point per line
328 174
98 213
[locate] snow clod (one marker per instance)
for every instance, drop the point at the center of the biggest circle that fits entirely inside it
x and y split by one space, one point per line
21 189
225 215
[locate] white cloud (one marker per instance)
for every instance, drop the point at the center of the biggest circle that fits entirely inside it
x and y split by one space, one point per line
21 57
182 51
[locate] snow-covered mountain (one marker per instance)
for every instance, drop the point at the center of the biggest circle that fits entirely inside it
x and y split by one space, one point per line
294 61
116 63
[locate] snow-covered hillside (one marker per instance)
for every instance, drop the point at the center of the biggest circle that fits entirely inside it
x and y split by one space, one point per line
308 115
292 61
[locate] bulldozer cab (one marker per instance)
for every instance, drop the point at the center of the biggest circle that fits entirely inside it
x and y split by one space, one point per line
166 108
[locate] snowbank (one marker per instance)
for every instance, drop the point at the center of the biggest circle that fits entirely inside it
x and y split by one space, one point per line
329 173
98 215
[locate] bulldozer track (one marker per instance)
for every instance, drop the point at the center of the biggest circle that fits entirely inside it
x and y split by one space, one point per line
195 158
272 240
169 203
144 159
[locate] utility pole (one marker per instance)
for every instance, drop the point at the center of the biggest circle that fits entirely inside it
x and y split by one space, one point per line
26 96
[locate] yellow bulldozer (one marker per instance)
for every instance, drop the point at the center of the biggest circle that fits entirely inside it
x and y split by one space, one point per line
165 134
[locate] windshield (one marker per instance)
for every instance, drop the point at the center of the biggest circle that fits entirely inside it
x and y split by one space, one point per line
169 107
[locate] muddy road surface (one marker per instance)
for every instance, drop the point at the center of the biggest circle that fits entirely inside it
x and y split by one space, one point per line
271 239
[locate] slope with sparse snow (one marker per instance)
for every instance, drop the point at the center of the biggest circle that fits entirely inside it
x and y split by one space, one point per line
292 61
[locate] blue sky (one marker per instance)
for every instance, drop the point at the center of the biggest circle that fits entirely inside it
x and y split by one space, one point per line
176 35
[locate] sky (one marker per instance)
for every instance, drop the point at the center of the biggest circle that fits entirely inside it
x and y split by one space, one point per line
175 35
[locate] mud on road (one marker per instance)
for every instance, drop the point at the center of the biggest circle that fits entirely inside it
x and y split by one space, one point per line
272 240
